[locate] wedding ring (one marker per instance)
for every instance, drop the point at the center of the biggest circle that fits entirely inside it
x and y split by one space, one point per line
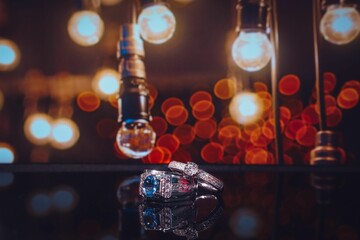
191 169
179 217
166 186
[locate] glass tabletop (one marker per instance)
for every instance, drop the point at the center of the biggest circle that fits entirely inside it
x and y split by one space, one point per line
106 206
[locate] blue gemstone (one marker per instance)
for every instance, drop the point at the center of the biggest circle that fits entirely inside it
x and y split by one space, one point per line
150 186
150 218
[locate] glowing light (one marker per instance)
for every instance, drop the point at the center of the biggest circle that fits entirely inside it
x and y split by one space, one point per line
340 24
65 133
40 204
169 141
6 179
9 55
85 28
7 155
63 199
157 24
136 139
251 51
106 82
38 128
246 108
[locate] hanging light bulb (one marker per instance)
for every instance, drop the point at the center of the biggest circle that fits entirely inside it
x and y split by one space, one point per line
9 55
157 23
106 82
37 128
86 28
252 50
65 133
246 108
136 139
340 24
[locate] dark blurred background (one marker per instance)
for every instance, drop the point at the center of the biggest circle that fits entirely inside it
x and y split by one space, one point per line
195 58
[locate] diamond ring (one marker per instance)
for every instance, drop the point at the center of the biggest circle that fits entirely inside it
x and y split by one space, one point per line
166 186
191 169
179 217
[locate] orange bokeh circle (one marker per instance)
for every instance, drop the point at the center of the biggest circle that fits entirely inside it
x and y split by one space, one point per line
169 141
289 84
203 110
212 152
88 101
225 88
205 129
185 134
170 102
177 115
199 96
348 98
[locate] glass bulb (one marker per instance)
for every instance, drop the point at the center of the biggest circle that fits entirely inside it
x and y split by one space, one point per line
136 139
251 51
9 55
86 28
38 128
340 24
157 24
106 83
246 108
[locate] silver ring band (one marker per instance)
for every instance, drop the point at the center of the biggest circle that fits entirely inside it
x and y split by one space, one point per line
192 170
166 186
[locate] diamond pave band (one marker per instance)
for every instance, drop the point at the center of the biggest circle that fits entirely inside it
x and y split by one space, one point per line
166 186
191 169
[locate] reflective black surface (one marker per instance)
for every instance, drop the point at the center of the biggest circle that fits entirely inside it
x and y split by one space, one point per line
257 205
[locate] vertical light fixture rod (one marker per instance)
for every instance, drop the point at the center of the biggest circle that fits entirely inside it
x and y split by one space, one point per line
238 16
274 80
318 80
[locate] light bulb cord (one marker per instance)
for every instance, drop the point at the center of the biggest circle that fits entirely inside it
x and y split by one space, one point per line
274 83
319 82
239 8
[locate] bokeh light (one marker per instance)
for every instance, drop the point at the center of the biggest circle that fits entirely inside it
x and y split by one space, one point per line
348 98
64 199
6 179
292 128
256 156
310 115
212 152
170 102
246 108
40 204
38 128
156 156
85 28
333 116
340 24
203 110
7 153
329 82
185 134
355 84
106 82
159 125
199 96
260 87
245 223
182 155
177 115
205 129
169 141
9 55
88 101
251 51
65 133
289 85
306 135
225 88
157 23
